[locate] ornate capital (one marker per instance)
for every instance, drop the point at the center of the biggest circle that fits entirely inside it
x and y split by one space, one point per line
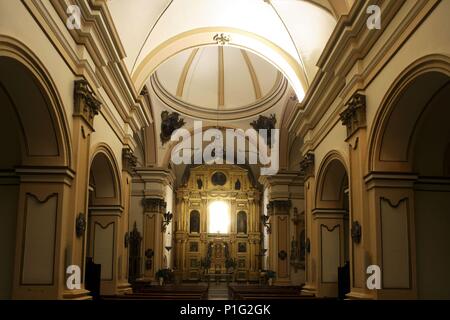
154 205
307 165
354 116
86 103
129 160
279 207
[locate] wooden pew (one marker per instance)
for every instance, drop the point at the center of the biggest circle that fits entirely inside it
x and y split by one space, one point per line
252 292
169 292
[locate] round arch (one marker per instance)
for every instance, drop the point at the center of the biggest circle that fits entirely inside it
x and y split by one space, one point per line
292 69
104 178
44 129
400 113
332 181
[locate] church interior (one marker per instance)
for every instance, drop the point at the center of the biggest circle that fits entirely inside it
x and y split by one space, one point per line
332 181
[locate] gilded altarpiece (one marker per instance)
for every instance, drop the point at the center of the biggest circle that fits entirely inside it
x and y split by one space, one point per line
200 251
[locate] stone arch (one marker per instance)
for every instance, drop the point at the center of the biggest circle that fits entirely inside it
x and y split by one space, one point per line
44 129
332 182
401 111
104 178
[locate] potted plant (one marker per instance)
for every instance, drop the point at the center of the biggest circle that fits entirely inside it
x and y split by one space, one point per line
270 275
230 264
164 275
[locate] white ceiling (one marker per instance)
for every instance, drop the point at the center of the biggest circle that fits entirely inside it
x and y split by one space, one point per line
193 77
291 34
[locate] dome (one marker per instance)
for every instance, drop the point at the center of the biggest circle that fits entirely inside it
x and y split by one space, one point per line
201 81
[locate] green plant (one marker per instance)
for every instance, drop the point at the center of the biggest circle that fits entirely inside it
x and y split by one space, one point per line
270 274
166 274
230 263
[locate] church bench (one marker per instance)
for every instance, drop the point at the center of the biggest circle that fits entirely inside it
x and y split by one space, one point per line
237 292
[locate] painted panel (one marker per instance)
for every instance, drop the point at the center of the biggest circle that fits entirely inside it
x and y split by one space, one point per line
39 240
104 248
395 244
330 251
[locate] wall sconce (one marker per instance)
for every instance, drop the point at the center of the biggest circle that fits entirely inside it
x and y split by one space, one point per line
356 232
168 248
167 217
266 223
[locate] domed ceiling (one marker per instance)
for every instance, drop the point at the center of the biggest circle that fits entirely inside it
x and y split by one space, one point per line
204 81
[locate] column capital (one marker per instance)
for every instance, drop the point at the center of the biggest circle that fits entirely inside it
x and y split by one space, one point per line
354 115
129 160
86 103
307 165
154 205
279 207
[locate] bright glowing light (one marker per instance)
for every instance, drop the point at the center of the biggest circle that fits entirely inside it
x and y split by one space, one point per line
219 217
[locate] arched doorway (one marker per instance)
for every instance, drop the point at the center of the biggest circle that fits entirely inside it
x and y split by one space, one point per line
33 140
331 220
103 221
411 147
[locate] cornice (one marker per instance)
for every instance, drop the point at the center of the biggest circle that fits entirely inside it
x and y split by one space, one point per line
350 44
103 66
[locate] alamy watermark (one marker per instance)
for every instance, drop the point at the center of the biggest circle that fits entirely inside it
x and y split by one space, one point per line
74 19
374 20
263 147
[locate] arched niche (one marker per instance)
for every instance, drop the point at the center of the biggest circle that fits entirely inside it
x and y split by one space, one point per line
194 221
241 222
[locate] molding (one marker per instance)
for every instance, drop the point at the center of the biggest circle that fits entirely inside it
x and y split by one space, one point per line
184 73
340 56
86 104
129 161
307 165
251 70
278 93
354 115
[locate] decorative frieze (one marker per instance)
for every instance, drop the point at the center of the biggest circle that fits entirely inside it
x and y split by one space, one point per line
86 103
129 160
307 165
279 207
354 116
154 205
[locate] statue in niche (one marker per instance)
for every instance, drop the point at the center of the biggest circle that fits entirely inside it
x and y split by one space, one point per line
194 222
237 185
169 123
266 123
242 222
199 184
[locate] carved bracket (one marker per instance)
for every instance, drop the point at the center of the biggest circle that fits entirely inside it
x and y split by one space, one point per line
266 123
80 225
129 160
154 205
356 232
307 165
279 207
86 103
354 116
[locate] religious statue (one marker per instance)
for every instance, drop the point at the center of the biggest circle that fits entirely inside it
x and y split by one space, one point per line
266 123
169 123
199 183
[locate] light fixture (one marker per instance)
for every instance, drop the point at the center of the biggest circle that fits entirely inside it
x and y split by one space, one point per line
266 223
167 217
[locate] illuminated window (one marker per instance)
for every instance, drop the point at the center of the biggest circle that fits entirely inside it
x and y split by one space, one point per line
219 217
